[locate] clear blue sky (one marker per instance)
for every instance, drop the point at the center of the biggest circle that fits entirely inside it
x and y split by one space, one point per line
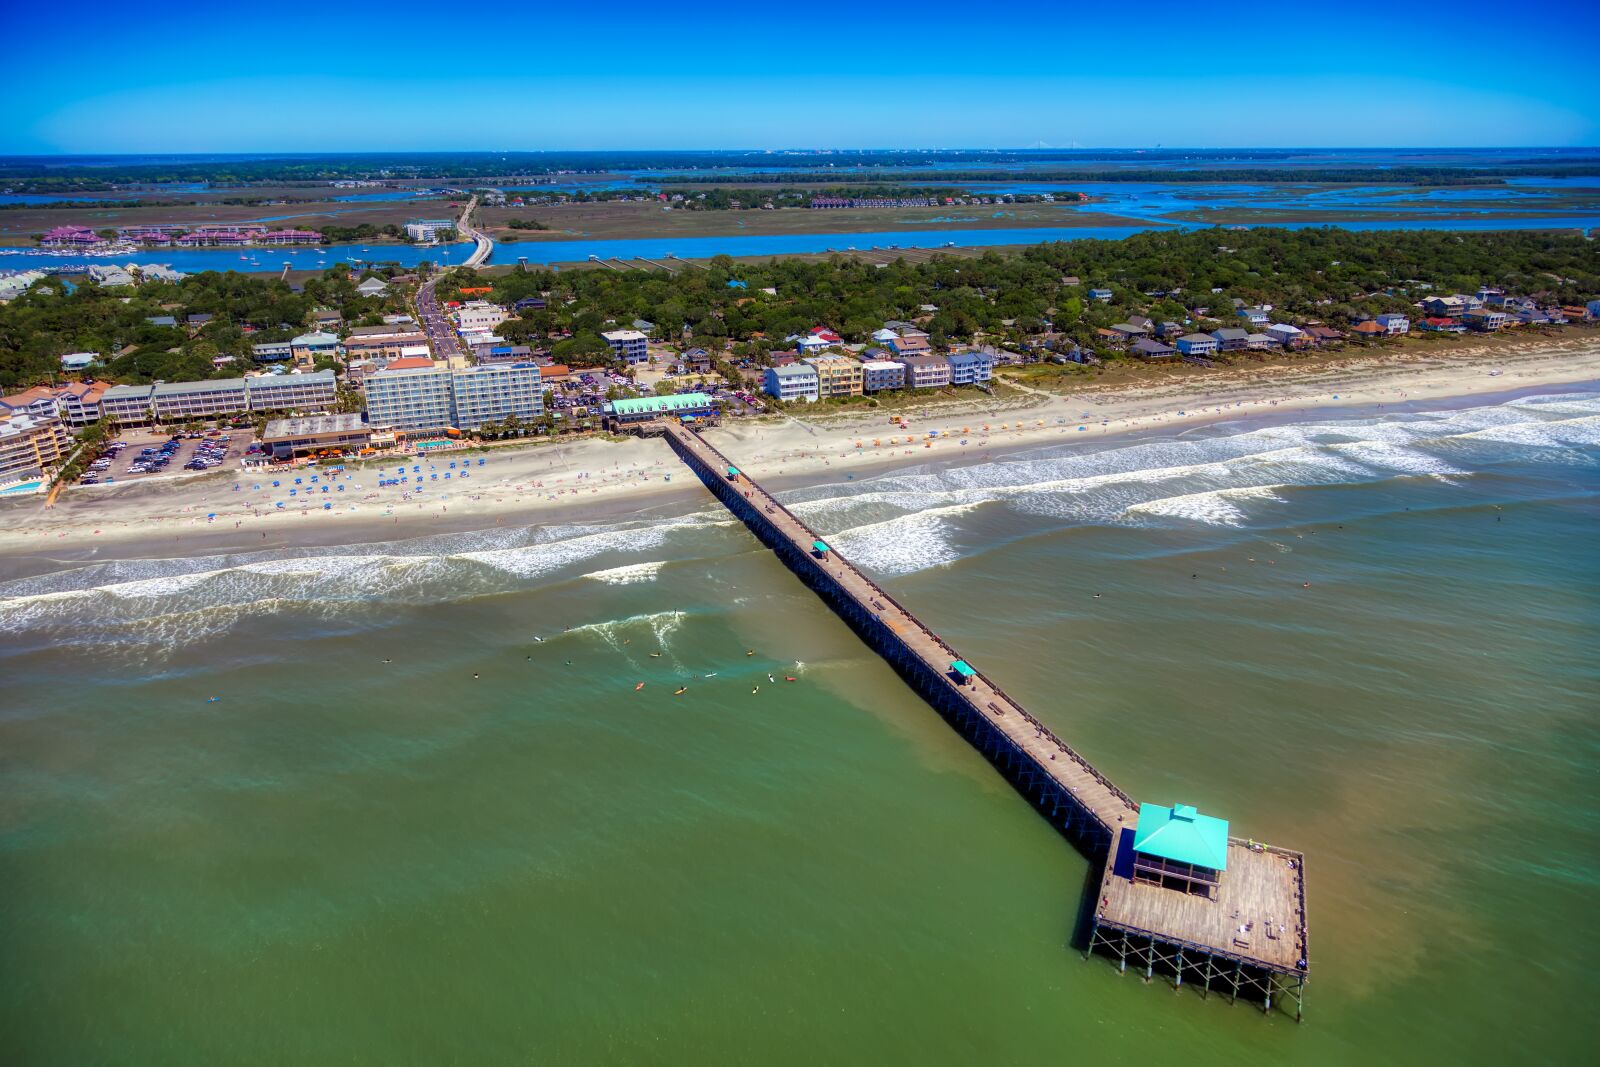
241 76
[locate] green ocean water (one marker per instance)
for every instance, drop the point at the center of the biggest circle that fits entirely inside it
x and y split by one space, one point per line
407 832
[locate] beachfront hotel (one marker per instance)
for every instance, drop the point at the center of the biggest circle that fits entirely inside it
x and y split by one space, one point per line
837 375
139 405
31 445
418 395
495 393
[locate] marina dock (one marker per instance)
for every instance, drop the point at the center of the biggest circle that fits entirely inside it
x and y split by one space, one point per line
1248 938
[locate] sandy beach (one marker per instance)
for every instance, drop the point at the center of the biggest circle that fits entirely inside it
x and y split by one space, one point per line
582 480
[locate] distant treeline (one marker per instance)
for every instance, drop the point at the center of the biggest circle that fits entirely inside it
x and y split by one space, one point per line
1253 175
79 204
726 198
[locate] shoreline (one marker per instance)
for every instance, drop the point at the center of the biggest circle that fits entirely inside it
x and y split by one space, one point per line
592 480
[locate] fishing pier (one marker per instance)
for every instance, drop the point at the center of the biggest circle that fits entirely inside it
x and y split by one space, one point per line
1233 925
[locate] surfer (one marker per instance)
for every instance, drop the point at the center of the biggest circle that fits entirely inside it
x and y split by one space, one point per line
638 687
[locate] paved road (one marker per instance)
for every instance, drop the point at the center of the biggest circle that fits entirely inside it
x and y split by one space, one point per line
480 254
442 337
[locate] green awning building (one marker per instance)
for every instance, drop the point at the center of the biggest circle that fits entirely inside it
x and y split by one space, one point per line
1180 848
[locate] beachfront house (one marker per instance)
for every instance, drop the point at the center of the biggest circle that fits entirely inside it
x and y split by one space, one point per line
837 375
1197 344
1150 348
970 368
1484 320
881 374
1178 848
793 381
1455 305
927 372
1394 324
1230 339
1286 335
912 344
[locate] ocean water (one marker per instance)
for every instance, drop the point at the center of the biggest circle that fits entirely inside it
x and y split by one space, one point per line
344 805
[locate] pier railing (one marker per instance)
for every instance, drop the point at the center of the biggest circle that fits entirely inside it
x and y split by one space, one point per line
721 461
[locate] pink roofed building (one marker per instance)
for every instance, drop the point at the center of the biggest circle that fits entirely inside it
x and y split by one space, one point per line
215 238
70 237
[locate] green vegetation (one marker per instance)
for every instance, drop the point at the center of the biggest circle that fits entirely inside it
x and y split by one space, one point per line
47 321
1250 175
366 231
1330 275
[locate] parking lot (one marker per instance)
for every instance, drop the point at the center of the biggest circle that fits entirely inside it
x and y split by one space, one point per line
133 456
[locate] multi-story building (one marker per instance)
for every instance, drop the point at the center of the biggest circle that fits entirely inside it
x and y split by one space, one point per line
1394 324
927 372
411 398
837 375
31 445
1483 320
39 402
970 368
880 374
494 393
381 342
127 405
272 351
1202 344
429 229
79 402
630 346
479 315
182 401
796 381
310 347
316 391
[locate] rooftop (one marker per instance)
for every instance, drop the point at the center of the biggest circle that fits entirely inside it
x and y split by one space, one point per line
647 405
314 424
1181 833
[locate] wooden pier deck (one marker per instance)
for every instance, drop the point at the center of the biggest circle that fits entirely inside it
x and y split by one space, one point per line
1177 934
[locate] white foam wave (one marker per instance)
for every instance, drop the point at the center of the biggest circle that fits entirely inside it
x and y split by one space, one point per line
1218 507
629 574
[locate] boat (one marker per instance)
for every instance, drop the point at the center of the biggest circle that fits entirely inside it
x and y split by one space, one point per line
756 690
655 655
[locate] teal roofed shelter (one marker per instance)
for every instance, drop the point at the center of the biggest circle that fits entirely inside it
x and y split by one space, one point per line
1180 848
963 672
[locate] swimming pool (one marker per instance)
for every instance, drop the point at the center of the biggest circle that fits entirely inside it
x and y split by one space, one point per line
22 487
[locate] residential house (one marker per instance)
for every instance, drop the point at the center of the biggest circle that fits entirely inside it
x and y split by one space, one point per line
1368 329
794 381
1484 320
161 320
910 344
1288 336
970 368
1324 335
837 375
1129 331
1102 295
881 374
1455 306
1150 348
926 372
1198 344
1229 339
1254 316
1394 324
73 362
272 351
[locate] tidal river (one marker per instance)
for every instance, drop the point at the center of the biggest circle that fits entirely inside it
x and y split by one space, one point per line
341 805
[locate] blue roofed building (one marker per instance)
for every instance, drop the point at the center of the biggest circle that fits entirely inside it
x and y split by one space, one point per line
1180 848
970 368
